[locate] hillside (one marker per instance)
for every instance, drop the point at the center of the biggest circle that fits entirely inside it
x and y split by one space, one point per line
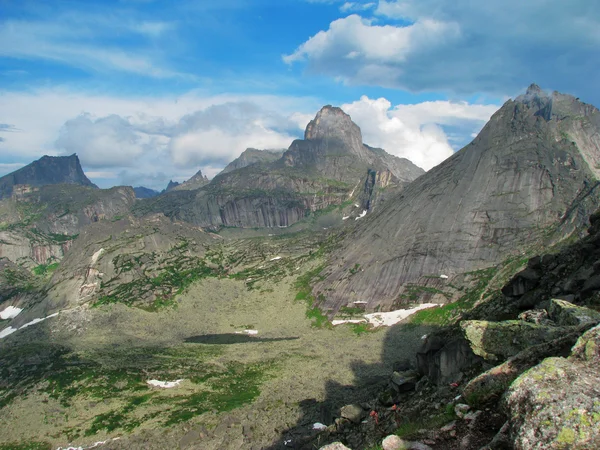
530 171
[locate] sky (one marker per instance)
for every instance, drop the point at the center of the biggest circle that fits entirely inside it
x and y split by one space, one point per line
148 91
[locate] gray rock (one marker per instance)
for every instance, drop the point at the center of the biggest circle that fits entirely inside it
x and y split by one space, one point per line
495 340
405 381
538 316
393 442
335 446
353 413
568 314
461 410
555 404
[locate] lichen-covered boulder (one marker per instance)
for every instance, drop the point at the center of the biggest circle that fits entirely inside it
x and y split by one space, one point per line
556 404
568 314
501 340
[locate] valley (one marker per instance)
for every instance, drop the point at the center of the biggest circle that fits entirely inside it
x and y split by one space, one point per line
327 292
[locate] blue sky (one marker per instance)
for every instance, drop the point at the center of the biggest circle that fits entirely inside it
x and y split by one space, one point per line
145 91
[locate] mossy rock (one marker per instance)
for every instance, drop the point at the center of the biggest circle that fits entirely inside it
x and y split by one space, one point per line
568 314
500 340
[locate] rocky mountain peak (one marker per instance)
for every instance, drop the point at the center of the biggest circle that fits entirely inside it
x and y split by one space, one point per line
46 170
332 122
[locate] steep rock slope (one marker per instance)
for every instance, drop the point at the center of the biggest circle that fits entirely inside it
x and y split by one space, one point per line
44 171
531 167
252 156
329 167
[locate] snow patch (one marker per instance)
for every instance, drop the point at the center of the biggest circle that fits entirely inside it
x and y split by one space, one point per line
10 313
319 426
94 445
251 332
164 384
388 319
345 217
360 302
276 258
97 256
11 330
444 277
7 331
362 214
356 205
341 321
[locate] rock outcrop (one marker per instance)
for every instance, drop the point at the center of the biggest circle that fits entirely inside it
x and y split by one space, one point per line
46 170
531 169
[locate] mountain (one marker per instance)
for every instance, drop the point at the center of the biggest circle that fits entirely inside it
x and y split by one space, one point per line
172 185
330 167
252 156
532 168
196 182
46 170
144 192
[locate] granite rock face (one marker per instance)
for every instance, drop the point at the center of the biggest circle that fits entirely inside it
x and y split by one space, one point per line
329 167
46 170
530 169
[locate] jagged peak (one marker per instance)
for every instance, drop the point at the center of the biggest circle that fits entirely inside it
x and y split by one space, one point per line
331 121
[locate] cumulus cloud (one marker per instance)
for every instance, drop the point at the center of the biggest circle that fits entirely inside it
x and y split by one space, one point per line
415 131
462 46
104 142
147 140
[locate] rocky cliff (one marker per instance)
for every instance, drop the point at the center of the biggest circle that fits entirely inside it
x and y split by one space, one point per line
329 167
46 170
39 225
530 169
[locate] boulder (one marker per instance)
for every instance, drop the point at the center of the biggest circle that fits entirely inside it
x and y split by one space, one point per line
568 314
499 340
537 316
335 446
555 405
405 381
354 413
491 384
443 361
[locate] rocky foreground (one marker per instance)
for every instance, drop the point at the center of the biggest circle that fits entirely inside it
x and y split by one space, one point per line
520 370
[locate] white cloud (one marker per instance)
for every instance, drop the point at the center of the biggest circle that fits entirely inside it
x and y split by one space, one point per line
465 47
71 40
146 140
361 43
356 6
413 131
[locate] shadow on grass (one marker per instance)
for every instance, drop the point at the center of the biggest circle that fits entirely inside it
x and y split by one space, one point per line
400 346
232 338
